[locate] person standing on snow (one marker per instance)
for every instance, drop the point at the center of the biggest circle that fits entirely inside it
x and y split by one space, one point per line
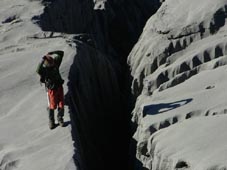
48 69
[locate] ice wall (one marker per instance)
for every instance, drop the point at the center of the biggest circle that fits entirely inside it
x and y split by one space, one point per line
174 67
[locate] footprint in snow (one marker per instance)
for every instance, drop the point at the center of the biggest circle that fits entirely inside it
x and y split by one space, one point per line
210 87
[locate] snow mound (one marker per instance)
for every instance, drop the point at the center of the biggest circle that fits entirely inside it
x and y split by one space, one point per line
187 148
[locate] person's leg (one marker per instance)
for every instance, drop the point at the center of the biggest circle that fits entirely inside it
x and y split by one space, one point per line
52 107
60 116
51 119
60 106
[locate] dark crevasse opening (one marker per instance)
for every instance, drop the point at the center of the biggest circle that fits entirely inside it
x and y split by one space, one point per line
100 98
101 122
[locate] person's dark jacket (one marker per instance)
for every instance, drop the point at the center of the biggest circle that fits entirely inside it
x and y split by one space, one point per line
51 75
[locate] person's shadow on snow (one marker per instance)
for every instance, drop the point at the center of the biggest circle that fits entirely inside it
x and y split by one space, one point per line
66 123
155 109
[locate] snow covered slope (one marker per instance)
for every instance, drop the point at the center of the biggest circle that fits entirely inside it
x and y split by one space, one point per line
179 69
26 143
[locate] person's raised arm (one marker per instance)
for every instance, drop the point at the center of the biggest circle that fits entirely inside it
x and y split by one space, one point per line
58 58
40 70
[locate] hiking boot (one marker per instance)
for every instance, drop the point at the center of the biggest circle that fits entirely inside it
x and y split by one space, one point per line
60 117
51 125
61 122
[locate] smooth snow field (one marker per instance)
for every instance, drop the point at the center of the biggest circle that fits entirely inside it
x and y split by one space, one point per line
26 143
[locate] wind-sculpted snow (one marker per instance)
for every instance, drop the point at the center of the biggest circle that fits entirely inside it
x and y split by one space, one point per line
179 70
170 32
192 150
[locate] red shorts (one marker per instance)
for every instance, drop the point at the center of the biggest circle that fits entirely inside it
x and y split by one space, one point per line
56 98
